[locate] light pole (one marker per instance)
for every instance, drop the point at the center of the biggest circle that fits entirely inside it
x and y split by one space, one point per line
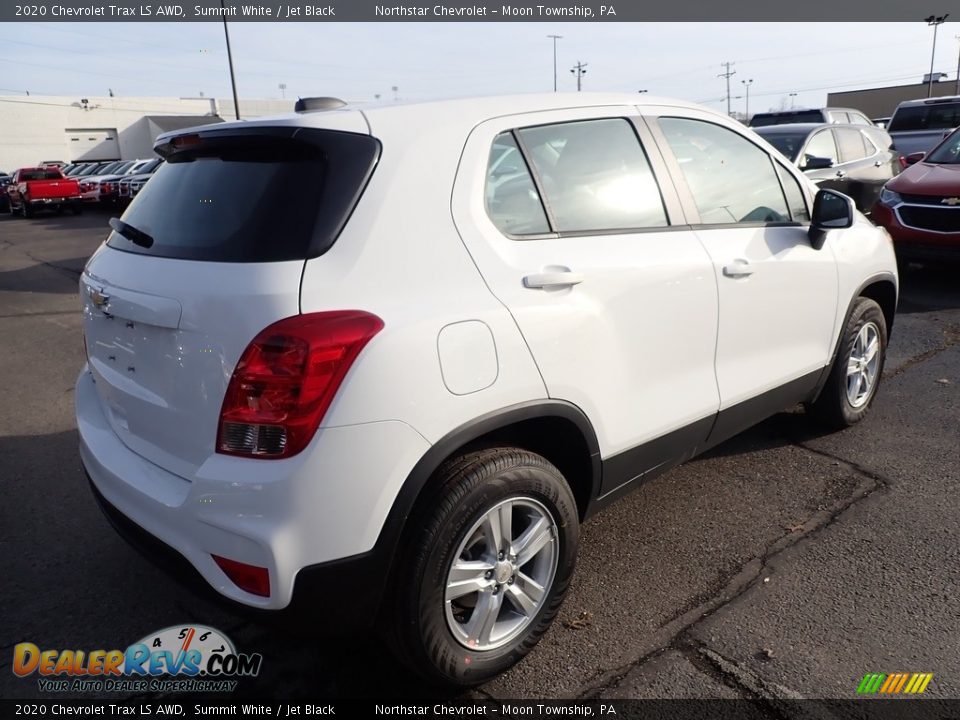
747 84
233 79
555 38
936 22
283 90
793 103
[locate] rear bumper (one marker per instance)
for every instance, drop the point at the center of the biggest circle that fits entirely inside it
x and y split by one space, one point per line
53 202
361 578
312 521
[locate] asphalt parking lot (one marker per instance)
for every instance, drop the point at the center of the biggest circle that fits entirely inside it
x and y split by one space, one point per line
783 564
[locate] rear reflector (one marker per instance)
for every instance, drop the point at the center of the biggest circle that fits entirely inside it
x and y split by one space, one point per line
287 378
255 580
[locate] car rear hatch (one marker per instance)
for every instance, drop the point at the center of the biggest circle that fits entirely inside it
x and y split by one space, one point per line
208 254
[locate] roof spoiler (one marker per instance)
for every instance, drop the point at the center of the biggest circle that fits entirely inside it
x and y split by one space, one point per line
314 104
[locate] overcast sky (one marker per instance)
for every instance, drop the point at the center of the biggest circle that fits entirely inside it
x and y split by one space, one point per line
357 61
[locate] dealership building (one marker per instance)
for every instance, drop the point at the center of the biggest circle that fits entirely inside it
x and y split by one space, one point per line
882 101
38 128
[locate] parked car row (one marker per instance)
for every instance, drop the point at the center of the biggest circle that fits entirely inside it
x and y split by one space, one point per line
906 176
100 182
49 187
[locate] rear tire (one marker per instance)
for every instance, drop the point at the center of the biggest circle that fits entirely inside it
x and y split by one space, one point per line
25 208
469 596
857 370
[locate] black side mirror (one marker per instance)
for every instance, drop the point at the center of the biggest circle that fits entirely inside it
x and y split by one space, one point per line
817 163
831 211
914 158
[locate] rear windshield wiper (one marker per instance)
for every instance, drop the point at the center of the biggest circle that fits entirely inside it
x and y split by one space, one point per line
137 237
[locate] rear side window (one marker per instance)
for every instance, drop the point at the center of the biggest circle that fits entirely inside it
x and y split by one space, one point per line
731 179
510 196
925 117
249 195
851 144
839 117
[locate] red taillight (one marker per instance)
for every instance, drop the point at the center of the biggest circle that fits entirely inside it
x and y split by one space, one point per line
287 378
255 580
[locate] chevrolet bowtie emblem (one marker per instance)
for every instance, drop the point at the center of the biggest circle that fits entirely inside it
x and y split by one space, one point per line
950 201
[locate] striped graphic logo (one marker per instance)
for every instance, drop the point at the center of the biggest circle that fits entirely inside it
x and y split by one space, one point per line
894 684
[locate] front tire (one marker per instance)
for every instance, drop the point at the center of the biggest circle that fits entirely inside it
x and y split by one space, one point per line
855 376
488 565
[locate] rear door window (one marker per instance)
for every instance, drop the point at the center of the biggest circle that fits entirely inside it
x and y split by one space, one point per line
595 175
250 195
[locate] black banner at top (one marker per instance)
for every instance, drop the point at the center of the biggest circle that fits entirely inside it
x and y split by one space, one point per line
552 11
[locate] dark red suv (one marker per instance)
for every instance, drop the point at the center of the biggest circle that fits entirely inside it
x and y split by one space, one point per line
920 208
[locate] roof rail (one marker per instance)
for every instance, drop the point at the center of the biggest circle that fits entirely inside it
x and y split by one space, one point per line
314 104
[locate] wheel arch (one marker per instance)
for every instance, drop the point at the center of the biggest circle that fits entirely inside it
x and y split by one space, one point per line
882 289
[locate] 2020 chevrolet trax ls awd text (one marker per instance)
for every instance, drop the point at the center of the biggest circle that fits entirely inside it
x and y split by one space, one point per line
405 351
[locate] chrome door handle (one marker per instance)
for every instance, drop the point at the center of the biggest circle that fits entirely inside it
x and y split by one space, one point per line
555 279
841 174
738 268
878 163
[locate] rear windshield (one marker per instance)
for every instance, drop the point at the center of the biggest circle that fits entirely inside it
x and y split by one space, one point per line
944 116
249 195
41 175
800 116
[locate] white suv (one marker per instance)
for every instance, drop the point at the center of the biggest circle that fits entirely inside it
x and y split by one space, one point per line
404 351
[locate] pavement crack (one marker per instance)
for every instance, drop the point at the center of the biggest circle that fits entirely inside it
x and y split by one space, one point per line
742 680
852 464
750 574
951 335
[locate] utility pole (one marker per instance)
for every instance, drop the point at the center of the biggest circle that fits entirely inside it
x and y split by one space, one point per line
555 38
728 74
580 70
934 22
747 84
793 100
958 64
233 79
283 90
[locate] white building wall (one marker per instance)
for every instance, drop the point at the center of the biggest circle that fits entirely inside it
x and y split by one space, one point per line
33 128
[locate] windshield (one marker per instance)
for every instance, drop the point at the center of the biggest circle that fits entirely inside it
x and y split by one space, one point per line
789 145
945 116
249 196
948 153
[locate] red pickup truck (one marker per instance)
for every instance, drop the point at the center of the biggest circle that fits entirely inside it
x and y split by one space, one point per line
38 188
